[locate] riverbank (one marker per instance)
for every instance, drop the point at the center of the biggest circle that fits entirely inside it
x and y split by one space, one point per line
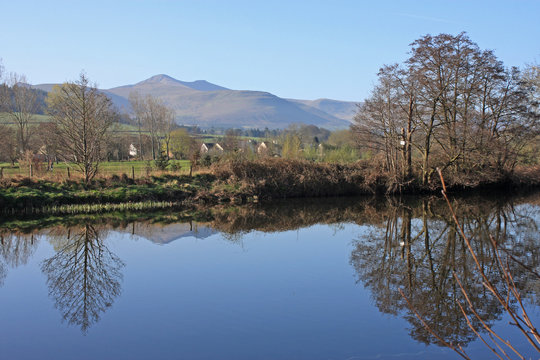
235 182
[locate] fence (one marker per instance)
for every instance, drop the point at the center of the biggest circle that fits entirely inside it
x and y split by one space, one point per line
63 171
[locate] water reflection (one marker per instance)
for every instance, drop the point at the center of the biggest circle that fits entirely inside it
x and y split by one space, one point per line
16 249
410 244
414 245
418 249
84 276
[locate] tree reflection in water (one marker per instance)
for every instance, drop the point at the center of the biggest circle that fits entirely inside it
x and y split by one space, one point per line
415 246
418 249
83 276
15 250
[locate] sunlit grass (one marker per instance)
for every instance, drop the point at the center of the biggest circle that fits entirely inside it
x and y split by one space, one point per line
138 169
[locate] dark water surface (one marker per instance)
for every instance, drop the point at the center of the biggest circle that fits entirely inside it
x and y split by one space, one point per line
309 279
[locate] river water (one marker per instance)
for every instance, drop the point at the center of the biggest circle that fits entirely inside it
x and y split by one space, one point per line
303 279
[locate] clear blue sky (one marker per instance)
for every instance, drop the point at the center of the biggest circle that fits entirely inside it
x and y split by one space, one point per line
296 49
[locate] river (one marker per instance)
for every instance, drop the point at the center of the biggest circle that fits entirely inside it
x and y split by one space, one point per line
297 279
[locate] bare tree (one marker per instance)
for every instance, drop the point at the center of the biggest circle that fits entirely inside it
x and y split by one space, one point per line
21 103
165 128
194 156
8 144
138 108
81 115
48 147
155 117
531 80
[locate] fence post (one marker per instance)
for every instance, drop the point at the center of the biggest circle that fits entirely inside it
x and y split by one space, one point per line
1 172
133 172
69 175
31 170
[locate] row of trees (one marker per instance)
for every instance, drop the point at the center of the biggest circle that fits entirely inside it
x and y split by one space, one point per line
449 105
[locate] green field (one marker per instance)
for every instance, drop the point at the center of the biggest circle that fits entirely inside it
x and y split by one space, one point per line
36 119
106 169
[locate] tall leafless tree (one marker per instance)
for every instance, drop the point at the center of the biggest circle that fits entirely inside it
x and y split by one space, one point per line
8 144
81 115
155 117
21 104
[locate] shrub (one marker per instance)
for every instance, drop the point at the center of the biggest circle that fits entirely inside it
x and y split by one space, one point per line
273 177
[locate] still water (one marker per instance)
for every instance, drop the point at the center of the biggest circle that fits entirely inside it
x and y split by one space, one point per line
309 279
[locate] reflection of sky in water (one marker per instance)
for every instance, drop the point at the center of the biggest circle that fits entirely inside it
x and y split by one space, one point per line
281 295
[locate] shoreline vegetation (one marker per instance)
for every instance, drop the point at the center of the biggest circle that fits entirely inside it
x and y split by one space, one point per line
238 182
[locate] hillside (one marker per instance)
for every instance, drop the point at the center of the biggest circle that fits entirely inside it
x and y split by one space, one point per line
209 105
341 109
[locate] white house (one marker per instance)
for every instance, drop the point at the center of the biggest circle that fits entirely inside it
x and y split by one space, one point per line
132 150
211 148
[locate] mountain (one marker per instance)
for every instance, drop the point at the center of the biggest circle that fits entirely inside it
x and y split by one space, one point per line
164 87
341 109
209 105
201 85
205 104
162 234
44 87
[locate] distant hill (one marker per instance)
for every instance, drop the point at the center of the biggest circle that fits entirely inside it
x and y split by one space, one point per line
162 234
205 104
44 87
341 109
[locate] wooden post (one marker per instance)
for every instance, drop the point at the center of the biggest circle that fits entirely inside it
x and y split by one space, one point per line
31 170
133 172
1 172
69 175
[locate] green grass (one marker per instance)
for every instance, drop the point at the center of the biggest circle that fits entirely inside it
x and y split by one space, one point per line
33 196
6 119
107 168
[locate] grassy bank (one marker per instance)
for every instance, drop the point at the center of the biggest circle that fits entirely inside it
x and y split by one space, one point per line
230 181
30 196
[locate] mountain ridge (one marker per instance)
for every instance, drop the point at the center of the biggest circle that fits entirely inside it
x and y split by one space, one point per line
205 104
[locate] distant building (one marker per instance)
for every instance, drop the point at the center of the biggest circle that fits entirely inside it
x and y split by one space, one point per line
262 149
209 148
132 150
